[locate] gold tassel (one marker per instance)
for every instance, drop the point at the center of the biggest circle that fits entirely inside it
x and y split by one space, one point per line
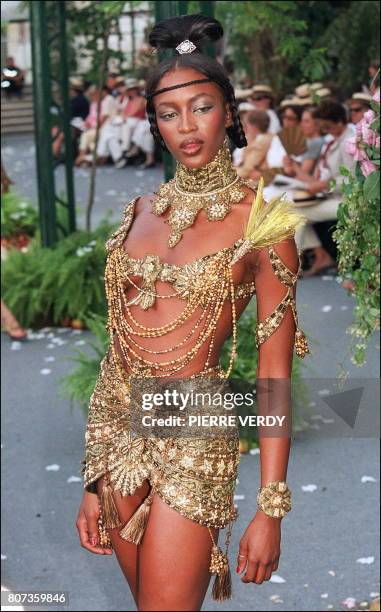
219 565
110 512
104 538
301 344
133 530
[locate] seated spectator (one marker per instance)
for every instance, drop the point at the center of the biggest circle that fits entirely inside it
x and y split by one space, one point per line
79 110
256 125
136 133
112 81
87 140
358 105
291 135
262 97
303 166
288 141
110 138
243 109
12 78
332 120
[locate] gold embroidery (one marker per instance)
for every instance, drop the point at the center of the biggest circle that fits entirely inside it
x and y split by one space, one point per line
214 188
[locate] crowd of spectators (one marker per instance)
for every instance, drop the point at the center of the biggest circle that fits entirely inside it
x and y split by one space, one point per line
298 145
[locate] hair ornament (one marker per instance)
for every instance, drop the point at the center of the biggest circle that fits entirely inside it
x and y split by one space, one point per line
186 46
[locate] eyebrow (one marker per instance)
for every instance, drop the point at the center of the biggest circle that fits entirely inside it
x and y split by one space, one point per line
192 99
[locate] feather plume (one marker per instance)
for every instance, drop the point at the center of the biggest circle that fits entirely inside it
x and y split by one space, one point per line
271 222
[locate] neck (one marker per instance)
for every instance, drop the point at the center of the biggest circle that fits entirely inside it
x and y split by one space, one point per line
217 174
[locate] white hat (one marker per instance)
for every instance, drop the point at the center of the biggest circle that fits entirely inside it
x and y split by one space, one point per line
323 92
132 83
316 86
76 83
303 91
262 89
294 101
241 94
245 106
363 97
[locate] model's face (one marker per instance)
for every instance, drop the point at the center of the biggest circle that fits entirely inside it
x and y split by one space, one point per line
192 120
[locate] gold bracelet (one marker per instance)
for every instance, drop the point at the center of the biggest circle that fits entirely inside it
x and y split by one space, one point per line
274 499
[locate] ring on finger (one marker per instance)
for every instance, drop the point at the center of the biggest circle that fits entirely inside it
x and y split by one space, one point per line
242 556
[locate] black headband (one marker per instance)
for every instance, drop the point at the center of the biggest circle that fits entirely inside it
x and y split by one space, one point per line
164 89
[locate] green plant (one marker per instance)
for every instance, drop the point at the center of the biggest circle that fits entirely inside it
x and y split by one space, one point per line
45 285
358 231
18 216
79 384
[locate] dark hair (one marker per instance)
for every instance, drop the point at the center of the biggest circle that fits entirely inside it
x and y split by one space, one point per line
296 109
260 119
331 111
311 109
168 34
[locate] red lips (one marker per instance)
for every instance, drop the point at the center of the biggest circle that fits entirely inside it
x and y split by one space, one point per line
190 142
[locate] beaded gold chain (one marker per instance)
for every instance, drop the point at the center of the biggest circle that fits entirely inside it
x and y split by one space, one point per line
213 301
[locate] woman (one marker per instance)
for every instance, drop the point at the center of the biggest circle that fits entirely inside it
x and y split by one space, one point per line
136 136
164 500
256 124
107 108
305 166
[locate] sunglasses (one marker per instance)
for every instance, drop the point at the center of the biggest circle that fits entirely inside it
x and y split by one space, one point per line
355 109
261 97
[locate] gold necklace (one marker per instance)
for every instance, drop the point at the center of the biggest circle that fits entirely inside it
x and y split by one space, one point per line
214 188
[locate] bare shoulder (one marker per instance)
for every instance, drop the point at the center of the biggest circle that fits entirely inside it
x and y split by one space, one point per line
143 202
247 201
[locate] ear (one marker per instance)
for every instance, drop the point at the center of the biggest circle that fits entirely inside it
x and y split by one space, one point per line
228 116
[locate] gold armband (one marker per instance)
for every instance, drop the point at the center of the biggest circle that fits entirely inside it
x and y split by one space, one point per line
274 499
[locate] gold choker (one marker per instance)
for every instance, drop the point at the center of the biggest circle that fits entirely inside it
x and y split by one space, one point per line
214 187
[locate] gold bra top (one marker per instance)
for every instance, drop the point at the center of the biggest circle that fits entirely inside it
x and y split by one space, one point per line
183 277
206 281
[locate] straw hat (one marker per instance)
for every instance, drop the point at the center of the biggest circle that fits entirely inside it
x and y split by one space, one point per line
132 83
315 86
266 89
76 83
303 91
242 94
245 106
119 80
295 101
323 92
362 97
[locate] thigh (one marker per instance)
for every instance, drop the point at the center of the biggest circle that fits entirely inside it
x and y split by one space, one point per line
126 553
174 561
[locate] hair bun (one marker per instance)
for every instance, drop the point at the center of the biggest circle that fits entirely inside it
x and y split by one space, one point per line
169 33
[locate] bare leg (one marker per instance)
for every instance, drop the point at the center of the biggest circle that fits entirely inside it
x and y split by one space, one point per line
10 323
126 553
174 559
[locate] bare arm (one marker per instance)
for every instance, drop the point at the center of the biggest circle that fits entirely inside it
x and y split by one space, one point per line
275 337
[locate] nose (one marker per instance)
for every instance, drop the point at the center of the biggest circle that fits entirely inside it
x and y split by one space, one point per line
186 123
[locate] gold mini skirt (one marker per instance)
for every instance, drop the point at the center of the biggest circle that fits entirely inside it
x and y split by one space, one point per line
195 476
